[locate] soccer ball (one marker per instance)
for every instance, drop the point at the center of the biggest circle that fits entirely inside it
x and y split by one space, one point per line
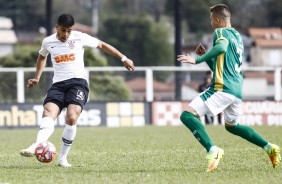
45 152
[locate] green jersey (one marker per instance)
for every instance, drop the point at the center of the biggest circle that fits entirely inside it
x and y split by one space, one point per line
226 63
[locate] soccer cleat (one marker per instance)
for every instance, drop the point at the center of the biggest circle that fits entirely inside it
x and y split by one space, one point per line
28 152
273 152
214 158
63 163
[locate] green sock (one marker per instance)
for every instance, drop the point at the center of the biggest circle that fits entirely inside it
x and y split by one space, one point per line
247 133
197 128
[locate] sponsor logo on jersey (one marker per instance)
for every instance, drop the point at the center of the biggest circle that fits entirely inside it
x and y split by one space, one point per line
64 58
79 95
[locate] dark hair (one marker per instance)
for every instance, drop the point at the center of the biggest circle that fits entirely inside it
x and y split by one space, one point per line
221 10
66 20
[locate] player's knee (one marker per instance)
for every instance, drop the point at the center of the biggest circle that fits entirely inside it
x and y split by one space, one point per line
186 117
72 115
231 124
188 113
230 128
71 119
48 113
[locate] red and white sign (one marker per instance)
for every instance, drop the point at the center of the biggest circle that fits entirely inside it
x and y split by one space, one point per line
261 113
253 113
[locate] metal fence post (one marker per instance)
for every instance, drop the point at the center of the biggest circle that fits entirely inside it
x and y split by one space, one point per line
277 84
20 86
149 85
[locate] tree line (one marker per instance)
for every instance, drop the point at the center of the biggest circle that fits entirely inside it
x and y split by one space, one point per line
142 29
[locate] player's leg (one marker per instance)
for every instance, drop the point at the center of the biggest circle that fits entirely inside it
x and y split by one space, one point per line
190 119
50 113
208 102
52 108
76 98
231 114
198 107
69 133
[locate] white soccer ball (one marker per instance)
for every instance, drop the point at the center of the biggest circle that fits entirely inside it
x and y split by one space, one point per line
45 152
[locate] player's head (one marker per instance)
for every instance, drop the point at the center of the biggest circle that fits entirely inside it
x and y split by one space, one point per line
220 16
64 27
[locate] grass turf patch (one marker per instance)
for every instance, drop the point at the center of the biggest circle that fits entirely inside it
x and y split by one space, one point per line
139 155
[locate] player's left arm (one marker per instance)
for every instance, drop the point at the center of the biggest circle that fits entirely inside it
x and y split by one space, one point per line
128 63
219 48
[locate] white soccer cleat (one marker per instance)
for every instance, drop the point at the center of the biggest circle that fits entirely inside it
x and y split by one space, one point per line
28 152
63 163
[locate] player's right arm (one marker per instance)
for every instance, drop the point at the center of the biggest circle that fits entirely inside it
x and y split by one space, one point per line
40 65
107 48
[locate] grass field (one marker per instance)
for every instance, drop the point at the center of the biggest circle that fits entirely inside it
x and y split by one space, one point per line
140 155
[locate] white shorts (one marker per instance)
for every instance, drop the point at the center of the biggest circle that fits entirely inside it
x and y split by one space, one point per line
216 103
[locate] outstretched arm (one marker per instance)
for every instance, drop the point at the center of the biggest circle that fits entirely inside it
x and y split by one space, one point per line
128 63
40 65
219 48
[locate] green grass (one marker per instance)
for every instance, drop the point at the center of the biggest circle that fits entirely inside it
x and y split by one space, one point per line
140 155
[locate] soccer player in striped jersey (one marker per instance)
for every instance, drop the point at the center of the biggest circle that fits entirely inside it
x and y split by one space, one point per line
70 88
225 91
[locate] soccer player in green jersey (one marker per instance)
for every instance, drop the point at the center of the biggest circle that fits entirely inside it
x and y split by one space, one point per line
225 91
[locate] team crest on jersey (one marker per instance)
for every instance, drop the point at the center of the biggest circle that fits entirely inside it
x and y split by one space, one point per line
71 44
79 95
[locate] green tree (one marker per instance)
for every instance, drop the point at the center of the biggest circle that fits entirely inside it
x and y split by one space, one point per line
26 15
92 58
195 14
26 56
274 14
23 56
29 15
158 49
107 87
111 8
140 38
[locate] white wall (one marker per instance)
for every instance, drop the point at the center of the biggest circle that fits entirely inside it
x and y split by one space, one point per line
266 56
5 49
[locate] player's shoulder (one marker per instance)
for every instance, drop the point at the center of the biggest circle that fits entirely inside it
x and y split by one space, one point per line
224 32
227 30
221 30
218 32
